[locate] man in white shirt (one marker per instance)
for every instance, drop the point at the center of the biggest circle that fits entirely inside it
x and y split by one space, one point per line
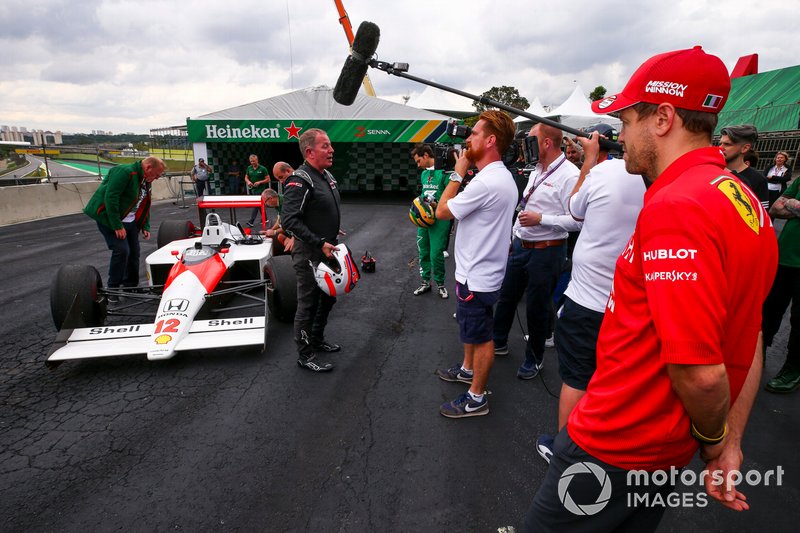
538 249
484 210
201 172
607 199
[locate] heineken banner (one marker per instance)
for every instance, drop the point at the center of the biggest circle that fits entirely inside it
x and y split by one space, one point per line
271 131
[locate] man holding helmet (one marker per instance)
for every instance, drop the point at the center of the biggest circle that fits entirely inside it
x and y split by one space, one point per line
431 240
312 213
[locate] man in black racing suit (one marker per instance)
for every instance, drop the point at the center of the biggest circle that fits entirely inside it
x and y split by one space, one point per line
311 212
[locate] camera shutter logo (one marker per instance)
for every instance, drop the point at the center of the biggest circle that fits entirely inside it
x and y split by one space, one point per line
590 508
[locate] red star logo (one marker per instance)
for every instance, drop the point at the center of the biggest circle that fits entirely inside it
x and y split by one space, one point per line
293 131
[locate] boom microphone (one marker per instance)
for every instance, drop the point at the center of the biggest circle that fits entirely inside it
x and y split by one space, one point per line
355 66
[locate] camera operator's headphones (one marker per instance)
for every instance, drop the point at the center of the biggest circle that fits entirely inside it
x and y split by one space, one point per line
421 213
339 274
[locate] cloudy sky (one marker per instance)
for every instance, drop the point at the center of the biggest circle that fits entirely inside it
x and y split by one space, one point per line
125 65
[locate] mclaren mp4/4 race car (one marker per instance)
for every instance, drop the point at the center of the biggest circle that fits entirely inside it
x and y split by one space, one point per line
200 281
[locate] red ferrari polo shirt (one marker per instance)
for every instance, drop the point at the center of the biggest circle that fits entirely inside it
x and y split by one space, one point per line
688 289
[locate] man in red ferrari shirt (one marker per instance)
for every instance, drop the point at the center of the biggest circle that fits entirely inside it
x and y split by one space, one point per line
679 355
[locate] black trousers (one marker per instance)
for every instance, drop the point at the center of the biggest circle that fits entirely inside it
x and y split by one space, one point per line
785 290
592 496
313 305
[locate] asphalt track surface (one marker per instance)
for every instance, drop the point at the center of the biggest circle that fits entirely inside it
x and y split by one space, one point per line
239 440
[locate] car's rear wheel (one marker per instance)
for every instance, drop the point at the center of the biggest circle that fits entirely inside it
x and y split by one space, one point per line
282 299
174 230
79 285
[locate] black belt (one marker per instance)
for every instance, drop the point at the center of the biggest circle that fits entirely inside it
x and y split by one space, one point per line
537 245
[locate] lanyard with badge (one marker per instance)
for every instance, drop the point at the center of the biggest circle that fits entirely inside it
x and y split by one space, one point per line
524 201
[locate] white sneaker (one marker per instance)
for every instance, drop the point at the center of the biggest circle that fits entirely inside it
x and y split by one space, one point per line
445 254
443 293
422 289
549 342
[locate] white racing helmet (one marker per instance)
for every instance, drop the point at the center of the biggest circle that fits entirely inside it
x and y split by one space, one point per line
337 275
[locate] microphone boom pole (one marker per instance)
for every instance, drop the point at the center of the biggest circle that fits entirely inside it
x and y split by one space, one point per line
399 70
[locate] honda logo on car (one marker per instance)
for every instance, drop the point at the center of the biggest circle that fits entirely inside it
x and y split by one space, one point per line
177 304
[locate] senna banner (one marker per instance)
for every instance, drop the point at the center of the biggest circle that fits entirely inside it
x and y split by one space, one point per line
270 131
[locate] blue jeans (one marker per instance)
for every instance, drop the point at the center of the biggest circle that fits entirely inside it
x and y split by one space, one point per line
533 272
233 184
123 270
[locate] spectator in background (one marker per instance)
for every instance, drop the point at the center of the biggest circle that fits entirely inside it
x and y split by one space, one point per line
751 158
276 232
786 290
281 170
257 179
234 177
573 151
735 142
778 176
201 173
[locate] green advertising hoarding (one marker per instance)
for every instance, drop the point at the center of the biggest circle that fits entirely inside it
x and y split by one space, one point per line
270 131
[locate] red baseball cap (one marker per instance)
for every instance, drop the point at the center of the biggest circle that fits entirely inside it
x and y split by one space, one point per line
688 79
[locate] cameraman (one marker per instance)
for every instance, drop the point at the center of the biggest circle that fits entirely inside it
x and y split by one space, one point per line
484 210
539 249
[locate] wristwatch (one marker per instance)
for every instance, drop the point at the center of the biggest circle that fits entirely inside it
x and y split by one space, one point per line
455 176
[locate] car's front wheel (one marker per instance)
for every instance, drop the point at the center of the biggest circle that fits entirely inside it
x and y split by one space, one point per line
282 298
75 297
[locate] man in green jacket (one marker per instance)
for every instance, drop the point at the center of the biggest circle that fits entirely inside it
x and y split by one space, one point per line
121 207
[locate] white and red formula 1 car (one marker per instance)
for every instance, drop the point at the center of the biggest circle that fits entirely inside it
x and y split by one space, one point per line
197 279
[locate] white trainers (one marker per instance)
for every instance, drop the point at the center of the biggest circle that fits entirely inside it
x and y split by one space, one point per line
443 293
422 289
549 342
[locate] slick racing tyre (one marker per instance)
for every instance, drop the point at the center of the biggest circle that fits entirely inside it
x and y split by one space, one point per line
174 230
282 299
78 286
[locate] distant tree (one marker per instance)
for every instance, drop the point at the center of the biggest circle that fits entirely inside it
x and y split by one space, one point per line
598 93
505 95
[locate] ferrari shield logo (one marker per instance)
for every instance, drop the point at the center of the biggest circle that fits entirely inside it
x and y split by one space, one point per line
741 201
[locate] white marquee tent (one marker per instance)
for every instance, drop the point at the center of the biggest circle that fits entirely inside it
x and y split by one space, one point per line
576 111
536 108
